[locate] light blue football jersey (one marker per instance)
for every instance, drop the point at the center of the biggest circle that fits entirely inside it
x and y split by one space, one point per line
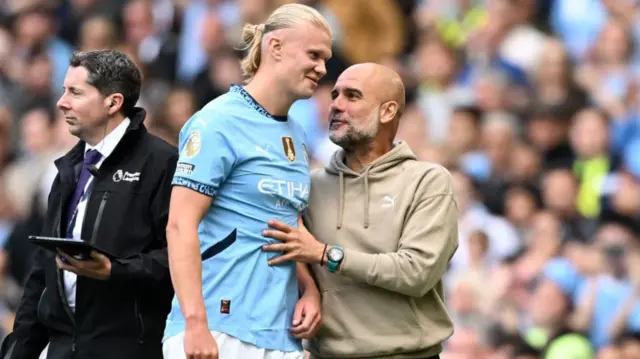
255 167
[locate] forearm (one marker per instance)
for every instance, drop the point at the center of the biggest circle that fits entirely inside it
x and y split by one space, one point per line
305 279
429 240
581 320
147 268
400 272
620 322
186 271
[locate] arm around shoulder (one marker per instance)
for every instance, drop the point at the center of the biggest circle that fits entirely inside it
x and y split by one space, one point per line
429 240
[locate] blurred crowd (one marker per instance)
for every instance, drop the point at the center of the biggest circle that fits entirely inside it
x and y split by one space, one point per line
533 105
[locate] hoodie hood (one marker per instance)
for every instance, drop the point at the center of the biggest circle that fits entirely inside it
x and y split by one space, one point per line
376 170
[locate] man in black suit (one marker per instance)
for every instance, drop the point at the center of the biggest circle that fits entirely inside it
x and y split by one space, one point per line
112 190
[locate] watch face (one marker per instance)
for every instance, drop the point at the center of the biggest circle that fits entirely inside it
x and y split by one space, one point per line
335 254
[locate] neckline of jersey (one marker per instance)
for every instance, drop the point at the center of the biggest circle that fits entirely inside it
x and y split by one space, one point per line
256 105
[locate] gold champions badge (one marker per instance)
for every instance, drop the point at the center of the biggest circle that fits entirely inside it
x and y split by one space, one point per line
193 144
289 148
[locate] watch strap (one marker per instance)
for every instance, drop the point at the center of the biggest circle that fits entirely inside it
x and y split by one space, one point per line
333 266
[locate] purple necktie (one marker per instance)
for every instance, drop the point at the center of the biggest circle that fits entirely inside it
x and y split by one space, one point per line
91 157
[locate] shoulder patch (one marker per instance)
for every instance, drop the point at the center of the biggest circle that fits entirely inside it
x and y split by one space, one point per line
185 168
193 144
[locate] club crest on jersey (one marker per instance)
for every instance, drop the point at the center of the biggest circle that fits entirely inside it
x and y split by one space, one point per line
289 148
193 144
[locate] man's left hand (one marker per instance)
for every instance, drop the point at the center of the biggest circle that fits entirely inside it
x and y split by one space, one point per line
299 245
307 316
98 266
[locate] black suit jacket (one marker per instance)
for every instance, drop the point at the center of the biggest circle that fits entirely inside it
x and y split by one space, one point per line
126 215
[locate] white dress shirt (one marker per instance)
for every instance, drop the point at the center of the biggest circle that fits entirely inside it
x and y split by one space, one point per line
105 147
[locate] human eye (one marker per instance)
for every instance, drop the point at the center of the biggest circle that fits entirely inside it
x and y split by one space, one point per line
352 95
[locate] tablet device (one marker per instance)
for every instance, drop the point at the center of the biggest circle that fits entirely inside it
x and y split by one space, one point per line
76 248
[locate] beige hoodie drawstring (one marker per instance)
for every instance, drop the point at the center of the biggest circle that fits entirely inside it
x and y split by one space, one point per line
341 200
366 197
400 153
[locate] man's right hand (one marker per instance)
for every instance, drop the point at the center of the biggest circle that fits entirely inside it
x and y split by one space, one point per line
199 343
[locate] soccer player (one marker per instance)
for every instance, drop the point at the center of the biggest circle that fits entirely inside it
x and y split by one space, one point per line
242 162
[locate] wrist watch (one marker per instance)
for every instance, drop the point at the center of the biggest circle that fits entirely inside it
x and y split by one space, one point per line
334 257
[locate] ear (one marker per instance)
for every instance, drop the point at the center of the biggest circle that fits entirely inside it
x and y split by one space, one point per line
274 46
113 103
388 111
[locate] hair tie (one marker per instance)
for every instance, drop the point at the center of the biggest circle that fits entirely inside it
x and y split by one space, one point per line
258 28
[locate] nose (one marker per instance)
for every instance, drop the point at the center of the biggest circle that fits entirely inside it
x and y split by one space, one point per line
62 103
337 105
321 69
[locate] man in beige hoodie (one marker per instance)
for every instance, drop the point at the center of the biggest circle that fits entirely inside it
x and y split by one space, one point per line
384 229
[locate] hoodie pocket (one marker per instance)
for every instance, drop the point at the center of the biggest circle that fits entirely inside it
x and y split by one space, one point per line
358 319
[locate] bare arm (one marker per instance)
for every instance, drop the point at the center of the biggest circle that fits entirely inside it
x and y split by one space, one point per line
305 279
581 320
186 210
619 324
307 316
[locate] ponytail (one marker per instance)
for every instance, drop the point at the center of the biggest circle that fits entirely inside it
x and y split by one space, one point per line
252 42
286 16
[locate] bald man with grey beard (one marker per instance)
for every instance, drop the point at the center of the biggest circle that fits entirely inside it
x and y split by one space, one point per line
380 229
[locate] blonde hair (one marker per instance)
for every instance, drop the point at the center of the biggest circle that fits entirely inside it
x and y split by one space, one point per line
285 16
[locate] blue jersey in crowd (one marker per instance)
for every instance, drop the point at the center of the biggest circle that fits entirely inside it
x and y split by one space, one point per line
255 167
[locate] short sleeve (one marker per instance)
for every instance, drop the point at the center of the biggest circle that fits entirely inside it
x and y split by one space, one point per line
206 154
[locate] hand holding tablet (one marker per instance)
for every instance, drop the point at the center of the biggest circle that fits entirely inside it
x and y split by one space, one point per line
76 248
